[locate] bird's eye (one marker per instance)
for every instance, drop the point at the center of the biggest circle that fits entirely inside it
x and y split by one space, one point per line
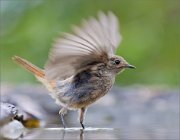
117 62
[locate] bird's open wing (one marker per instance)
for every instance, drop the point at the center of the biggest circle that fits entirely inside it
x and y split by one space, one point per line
94 41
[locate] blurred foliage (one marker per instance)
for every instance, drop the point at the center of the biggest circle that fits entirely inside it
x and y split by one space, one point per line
150 30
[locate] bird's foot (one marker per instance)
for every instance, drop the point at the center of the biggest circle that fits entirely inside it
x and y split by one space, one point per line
62 112
62 120
82 125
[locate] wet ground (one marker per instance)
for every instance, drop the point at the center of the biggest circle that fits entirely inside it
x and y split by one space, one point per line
143 113
96 133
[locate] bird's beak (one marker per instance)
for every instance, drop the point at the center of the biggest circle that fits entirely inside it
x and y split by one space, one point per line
129 66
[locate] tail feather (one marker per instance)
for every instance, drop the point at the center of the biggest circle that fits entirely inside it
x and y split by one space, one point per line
29 66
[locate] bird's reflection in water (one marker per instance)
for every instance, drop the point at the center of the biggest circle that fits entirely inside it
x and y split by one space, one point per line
63 134
81 134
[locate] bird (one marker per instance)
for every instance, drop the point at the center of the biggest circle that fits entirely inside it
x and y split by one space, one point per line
82 65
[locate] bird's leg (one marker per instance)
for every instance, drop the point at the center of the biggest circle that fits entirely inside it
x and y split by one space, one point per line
62 112
81 116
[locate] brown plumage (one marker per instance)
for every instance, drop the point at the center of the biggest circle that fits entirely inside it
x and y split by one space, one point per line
82 66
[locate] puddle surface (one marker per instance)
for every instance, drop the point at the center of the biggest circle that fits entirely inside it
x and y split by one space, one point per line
98 133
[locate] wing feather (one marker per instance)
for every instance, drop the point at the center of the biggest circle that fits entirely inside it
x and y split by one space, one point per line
94 41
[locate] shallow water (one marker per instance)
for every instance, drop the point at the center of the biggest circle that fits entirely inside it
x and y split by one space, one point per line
98 133
129 113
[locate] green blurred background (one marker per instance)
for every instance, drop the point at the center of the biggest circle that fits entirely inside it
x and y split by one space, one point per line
150 30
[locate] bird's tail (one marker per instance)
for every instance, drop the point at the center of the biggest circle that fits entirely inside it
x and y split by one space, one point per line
39 73
29 67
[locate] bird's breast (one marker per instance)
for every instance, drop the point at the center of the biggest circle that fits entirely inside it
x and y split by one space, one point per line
86 93
83 90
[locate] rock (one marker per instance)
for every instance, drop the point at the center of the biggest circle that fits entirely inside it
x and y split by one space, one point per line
8 112
12 130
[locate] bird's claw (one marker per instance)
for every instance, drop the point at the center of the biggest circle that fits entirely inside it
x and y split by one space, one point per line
82 125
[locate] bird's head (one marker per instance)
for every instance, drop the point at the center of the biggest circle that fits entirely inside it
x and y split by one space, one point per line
117 64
